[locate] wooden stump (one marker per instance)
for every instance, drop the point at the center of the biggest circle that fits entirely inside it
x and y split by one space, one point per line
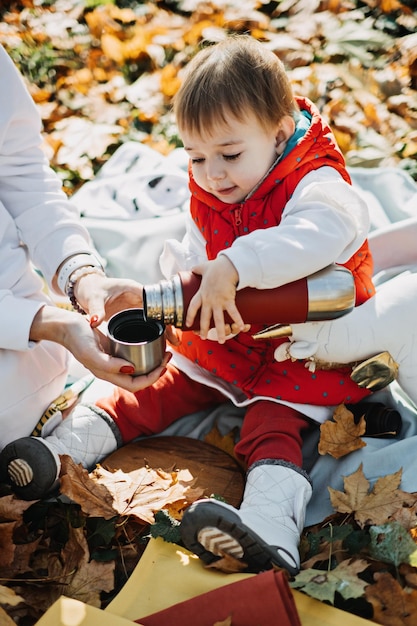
215 471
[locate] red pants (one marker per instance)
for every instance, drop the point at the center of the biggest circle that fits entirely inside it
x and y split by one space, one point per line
269 430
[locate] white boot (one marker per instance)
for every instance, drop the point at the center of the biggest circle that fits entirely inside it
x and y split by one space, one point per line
31 465
386 322
265 531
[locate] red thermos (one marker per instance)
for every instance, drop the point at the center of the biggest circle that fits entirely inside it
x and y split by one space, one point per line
325 295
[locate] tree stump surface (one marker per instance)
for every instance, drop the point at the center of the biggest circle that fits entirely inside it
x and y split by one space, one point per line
215 471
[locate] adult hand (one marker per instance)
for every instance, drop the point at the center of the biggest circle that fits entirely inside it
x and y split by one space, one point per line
89 346
101 297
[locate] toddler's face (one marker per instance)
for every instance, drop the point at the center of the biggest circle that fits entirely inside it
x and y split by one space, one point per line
232 159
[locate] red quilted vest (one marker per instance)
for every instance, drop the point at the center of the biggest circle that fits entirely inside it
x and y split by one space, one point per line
250 364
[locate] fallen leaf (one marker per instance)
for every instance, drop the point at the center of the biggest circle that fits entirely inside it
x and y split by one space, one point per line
228 565
407 514
8 596
7 545
342 436
12 508
5 620
323 585
392 605
142 492
76 484
224 442
391 543
369 507
81 578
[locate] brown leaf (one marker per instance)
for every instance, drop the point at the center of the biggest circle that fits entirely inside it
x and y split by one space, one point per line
410 574
374 507
7 546
407 514
393 606
8 596
5 620
144 491
23 557
81 578
224 442
12 508
94 499
228 564
342 436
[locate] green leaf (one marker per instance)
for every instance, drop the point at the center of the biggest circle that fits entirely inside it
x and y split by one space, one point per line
323 585
335 533
391 543
356 541
166 527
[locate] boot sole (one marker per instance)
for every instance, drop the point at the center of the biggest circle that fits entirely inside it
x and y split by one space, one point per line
29 459
211 531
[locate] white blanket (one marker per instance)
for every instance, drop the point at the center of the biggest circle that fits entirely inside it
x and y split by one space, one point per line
139 199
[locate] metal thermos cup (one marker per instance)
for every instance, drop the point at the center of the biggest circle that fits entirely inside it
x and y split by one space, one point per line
325 295
136 339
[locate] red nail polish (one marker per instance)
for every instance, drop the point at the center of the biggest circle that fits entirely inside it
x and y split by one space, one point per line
127 369
93 319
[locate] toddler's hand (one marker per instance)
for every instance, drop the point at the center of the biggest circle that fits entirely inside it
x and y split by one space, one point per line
215 297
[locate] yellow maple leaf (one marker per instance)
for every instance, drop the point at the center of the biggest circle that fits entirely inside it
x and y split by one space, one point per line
224 442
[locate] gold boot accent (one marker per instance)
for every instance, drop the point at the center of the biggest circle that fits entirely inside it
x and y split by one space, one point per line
274 332
376 372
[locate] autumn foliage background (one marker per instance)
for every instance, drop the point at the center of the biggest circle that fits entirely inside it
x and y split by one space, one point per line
103 73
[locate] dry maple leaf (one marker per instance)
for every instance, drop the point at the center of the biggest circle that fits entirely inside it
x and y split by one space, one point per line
144 491
76 483
407 514
342 436
374 507
12 508
80 577
224 442
392 605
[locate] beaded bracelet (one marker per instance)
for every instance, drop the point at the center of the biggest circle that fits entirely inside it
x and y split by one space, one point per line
74 263
75 276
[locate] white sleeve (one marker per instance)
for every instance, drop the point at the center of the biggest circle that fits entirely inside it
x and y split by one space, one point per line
185 254
30 191
324 222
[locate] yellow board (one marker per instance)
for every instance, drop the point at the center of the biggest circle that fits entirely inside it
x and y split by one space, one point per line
69 612
166 575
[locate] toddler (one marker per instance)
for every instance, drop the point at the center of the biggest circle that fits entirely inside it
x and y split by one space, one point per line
271 202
